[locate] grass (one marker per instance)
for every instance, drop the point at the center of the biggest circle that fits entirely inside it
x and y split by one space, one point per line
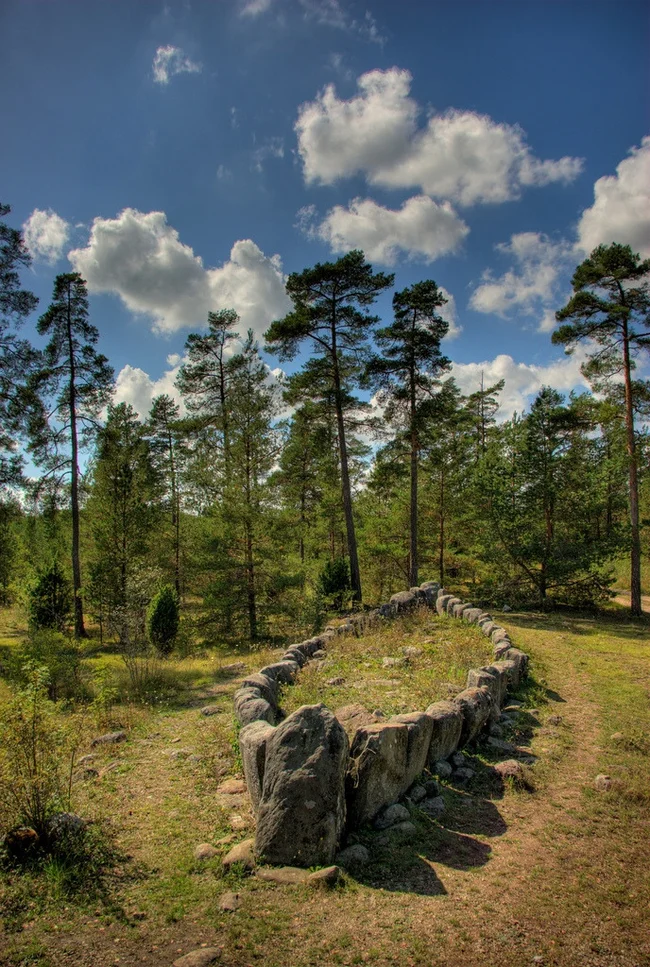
506 875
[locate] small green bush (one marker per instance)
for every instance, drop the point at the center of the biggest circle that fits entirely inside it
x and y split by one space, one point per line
50 600
334 581
60 656
163 620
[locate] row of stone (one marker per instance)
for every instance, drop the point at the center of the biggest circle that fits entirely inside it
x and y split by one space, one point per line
309 786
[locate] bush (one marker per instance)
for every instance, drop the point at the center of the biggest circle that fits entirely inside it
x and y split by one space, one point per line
163 620
61 658
334 581
50 600
37 755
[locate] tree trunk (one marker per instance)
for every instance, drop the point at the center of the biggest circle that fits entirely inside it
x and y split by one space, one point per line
441 536
413 569
79 629
353 556
635 548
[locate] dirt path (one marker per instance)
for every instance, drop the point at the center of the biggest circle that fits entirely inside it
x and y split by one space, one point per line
623 597
509 878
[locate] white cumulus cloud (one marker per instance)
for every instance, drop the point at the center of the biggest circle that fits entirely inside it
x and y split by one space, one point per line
532 286
458 155
46 234
134 386
169 61
139 257
621 208
421 228
522 380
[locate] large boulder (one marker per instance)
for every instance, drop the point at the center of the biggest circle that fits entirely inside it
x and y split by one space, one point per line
476 706
251 706
267 687
494 678
403 601
420 729
442 601
447 724
282 672
451 604
302 809
377 770
252 745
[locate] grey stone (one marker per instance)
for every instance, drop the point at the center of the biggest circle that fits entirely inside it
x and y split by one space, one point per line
377 770
208 710
283 672
265 685
447 719
202 957
557 720
230 902
284 875
391 816
355 855
319 655
417 793
494 680
205 851
403 601
391 662
302 810
431 788
442 601
234 667
451 604
435 806
442 769
462 776
62 828
500 745
252 745
333 682
325 878
603 783
295 654
472 615
458 760
354 716
109 738
459 609
420 731
412 651
242 853
509 769
250 706
476 705
405 830
499 634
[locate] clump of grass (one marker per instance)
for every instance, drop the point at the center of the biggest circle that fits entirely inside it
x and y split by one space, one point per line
449 648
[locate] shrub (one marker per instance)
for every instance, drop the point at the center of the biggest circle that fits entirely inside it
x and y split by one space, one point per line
334 581
50 600
37 755
60 656
163 620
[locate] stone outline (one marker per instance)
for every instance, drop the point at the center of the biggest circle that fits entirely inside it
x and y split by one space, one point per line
418 739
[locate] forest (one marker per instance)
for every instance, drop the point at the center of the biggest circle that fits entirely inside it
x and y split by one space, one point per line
260 504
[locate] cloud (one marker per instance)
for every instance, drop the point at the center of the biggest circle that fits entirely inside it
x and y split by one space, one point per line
169 61
325 13
271 148
522 380
448 313
46 234
458 155
532 287
134 386
419 229
621 208
139 257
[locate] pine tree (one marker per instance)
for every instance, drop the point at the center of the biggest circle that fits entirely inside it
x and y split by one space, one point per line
611 308
81 380
168 453
407 374
330 303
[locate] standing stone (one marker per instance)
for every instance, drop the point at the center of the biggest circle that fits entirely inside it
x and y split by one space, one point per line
252 745
403 601
420 730
476 706
302 810
442 601
445 735
377 770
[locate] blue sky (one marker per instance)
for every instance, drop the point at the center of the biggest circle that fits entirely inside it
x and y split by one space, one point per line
186 156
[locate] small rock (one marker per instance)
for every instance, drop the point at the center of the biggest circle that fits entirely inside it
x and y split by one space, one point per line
230 902
335 681
405 829
205 851
237 822
443 769
458 760
391 662
603 783
20 841
554 719
431 788
501 745
284 875
417 793
231 787
506 608
391 816
433 807
226 840
616 737
179 753
318 655
241 853
109 738
464 775
210 710
327 877
509 769
236 666
496 730
379 714
63 827
202 957
412 651
355 855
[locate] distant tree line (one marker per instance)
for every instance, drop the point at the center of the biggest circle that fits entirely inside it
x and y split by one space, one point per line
262 503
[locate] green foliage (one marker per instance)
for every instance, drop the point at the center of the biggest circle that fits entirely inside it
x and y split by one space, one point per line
163 619
37 755
59 656
334 581
50 600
